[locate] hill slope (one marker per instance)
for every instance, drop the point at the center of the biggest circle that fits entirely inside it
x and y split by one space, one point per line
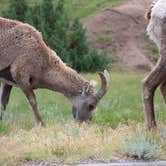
121 31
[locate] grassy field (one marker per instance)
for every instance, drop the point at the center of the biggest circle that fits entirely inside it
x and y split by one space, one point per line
63 140
77 8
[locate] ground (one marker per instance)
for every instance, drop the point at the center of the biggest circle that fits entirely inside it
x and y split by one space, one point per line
121 31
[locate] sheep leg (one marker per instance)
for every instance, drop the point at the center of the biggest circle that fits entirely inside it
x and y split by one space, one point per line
20 73
163 90
32 101
150 83
6 89
23 83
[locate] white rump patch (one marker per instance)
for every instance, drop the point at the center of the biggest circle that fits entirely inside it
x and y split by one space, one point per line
154 30
155 23
159 9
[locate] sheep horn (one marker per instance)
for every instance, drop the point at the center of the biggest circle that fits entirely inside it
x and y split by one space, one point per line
104 84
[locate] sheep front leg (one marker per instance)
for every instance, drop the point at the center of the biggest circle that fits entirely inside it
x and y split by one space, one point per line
5 94
148 95
24 84
149 85
21 74
32 100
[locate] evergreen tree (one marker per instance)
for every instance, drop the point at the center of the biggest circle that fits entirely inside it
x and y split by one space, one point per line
54 24
78 45
17 10
47 16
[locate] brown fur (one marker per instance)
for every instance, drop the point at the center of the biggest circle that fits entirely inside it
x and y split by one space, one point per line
21 44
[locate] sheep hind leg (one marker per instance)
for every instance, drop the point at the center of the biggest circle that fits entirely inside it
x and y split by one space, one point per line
5 94
163 90
150 83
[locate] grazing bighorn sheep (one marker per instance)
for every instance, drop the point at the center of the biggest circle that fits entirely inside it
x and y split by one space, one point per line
27 62
157 31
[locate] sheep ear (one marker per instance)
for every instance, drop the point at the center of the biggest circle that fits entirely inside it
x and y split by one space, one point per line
93 83
85 89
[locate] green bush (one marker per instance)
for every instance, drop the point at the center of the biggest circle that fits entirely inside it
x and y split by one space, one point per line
17 10
67 38
141 148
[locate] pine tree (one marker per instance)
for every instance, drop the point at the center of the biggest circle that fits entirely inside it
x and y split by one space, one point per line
17 10
78 45
47 16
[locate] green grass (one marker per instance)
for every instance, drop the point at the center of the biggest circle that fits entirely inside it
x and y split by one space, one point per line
78 8
84 8
155 54
121 104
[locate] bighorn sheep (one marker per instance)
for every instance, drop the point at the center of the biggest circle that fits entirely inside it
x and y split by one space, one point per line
27 62
156 29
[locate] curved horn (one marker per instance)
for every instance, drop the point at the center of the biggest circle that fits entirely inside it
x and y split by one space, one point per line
104 84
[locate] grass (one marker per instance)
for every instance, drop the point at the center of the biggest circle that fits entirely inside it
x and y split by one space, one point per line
118 115
78 8
102 39
153 48
84 8
71 143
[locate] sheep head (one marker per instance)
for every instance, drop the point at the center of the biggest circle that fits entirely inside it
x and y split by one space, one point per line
85 104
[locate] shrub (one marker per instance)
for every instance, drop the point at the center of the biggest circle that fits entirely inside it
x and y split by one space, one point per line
17 10
141 148
67 38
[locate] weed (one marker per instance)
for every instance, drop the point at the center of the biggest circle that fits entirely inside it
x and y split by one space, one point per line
141 147
4 128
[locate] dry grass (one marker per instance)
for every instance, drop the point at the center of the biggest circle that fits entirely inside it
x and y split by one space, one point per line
71 143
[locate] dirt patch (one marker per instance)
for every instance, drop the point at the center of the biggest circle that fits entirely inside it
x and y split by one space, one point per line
122 32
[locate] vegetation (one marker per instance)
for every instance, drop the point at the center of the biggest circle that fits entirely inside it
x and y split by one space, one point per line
67 38
76 8
118 116
72 143
86 8
17 10
141 147
155 55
